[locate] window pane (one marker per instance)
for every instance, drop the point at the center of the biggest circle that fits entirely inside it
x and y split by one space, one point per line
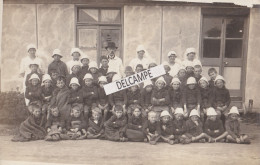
211 48
87 38
232 77
111 16
233 49
212 27
235 28
88 15
110 35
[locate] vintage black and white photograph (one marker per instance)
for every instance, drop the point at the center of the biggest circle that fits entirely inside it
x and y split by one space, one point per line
135 82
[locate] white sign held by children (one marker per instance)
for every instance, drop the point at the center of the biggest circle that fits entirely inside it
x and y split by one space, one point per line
134 79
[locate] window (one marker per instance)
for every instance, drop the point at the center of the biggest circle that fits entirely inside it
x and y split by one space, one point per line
95 28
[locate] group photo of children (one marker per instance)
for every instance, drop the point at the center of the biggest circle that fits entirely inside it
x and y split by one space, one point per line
67 100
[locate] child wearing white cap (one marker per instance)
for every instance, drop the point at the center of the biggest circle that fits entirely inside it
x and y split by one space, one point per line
175 94
75 72
33 91
160 97
151 128
232 126
220 97
84 66
179 127
34 66
191 97
93 70
205 92
90 95
214 126
57 64
118 98
166 127
102 100
76 95
146 95
75 53
195 128
46 90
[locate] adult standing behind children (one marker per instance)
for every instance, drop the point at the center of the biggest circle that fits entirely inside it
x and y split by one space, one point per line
113 60
75 53
142 58
173 62
26 61
191 58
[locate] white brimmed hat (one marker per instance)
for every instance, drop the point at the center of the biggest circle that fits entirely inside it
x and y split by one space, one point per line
191 80
102 78
140 48
56 52
175 79
74 80
172 53
190 50
147 82
84 56
73 50
194 112
204 79
160 79
179 111
75 63
165 113
31 46
233 109
34 76
211 112
88 75
93 64
46 77
116 77
219 77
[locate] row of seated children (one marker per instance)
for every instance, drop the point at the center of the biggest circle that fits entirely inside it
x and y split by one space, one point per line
171 129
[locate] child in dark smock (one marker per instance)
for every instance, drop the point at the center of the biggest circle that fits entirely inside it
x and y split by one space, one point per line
133 99
95 125
102 100
146 95
46 90
175 95
166 127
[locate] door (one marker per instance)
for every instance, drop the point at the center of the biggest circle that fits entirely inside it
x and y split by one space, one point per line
223 47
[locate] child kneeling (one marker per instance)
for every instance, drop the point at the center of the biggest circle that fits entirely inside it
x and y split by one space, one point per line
233 128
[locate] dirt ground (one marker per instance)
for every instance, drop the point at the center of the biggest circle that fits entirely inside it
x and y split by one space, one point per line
106 152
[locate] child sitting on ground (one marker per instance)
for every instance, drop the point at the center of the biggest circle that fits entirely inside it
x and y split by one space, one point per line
220 97
146 95
33 128
115 127
90 95
134 127
175 95
133 99
151 128
55 125
233 128
166 127
76 124
104 65
197 72
95 125
195 128
160 97
214 126
179 127
118 98
33 91
212 72
191 97
46 91
102 100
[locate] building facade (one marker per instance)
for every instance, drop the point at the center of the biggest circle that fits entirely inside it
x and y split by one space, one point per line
226 36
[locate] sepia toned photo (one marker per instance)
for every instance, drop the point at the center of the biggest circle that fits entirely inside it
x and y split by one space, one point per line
137 82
